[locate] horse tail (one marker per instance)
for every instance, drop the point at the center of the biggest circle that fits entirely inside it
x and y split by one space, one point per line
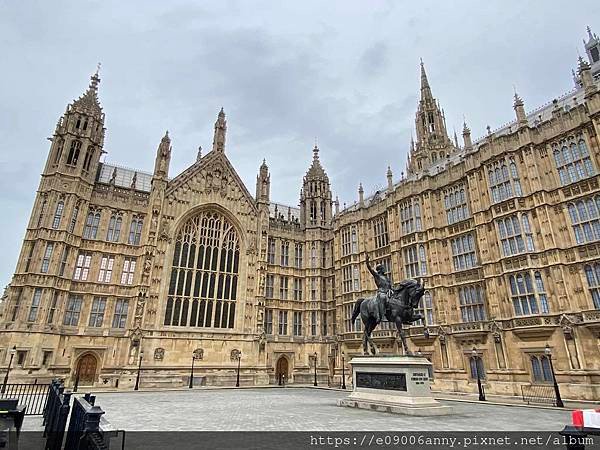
356 310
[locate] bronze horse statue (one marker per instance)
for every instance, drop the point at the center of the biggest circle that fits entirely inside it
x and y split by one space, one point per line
403 299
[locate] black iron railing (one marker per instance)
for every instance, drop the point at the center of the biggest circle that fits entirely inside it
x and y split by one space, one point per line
84 431
539 393
55 415
32 395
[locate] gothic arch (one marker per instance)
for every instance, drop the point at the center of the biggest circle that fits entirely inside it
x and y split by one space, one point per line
87 368
204 270
210 207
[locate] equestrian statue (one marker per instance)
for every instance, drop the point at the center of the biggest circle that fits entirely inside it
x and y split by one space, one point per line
394 303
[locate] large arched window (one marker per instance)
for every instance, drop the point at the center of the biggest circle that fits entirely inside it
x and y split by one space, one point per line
204 275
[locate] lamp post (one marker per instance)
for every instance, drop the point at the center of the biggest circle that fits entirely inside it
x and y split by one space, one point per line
12 355
239 358
76 385
559 402
316 369
137 379
479 385
192 371
343 372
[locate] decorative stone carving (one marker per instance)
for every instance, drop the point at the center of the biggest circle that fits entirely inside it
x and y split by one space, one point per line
159 354
262 339
235 354
164 230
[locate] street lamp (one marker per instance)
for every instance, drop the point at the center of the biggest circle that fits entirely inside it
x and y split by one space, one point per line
137 379
239 358
192 371
76 385
315 369
343 372
479 385
12 355
559 402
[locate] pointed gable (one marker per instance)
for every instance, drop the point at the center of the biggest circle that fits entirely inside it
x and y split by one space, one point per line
212 175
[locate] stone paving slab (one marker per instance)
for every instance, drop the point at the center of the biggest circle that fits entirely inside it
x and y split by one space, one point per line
300 409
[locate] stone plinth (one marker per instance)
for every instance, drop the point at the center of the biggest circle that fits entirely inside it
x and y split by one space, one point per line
394 384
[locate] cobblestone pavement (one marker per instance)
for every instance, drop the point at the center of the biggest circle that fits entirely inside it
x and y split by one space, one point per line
301 409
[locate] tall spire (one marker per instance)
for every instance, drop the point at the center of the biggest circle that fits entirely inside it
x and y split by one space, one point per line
89 99
519 108
315 196
432 137
467 136
425 88
316 169
95 79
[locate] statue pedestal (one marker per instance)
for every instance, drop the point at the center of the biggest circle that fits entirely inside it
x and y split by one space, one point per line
393 384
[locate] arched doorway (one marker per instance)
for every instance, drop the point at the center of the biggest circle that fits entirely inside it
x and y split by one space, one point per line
86 370
281 371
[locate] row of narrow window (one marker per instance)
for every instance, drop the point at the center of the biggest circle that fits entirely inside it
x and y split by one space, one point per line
527 293
92 223
73 310
113 234
74 154
298 324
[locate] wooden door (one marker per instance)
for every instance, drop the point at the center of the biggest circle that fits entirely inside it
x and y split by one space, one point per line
87 370
281 370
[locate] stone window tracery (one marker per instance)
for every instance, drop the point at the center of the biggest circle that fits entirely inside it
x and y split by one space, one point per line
572 160
204 275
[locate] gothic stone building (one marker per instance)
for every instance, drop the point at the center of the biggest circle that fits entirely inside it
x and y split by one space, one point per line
121 266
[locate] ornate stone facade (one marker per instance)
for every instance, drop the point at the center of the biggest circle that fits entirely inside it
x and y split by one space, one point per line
118 265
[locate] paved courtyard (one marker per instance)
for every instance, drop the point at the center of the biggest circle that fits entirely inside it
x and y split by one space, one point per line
301 409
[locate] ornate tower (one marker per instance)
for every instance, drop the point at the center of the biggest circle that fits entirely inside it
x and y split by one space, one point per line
433 143
79 137
56 224
315 196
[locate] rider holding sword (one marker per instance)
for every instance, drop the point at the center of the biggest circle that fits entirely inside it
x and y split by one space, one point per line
384 286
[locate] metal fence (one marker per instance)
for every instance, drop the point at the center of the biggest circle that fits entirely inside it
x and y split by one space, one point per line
32 395
539 393
55 415
84 431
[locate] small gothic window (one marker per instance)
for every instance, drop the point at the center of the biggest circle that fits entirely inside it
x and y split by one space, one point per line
135 230
595 54
60 206
59 149
89 154
92 222
74 153
114 228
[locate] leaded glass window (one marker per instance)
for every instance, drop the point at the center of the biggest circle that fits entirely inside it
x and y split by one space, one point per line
204 276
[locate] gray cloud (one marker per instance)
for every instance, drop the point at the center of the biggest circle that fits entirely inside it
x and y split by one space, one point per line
345 72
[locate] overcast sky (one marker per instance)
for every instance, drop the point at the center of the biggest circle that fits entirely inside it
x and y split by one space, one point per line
345 72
